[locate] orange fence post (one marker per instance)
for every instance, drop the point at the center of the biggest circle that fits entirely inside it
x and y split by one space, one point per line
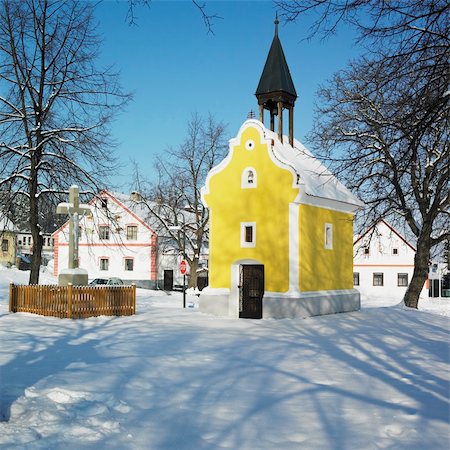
69 300
11 297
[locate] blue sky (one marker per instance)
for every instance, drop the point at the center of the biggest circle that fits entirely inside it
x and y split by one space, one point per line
175 68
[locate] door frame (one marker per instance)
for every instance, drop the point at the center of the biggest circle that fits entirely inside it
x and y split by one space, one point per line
233 303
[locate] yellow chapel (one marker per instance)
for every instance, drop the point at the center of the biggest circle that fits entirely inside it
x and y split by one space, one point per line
281 225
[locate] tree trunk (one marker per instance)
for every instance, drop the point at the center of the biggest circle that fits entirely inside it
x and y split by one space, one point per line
193 272
420 273
34 224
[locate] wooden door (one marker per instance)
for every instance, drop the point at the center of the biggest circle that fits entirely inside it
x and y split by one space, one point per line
251 291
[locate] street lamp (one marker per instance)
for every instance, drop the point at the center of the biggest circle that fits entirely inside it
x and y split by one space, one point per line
179 228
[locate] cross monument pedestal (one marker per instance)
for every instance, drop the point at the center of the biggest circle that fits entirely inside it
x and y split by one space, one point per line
73 274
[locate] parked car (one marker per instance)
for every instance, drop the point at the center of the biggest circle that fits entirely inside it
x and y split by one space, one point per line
106 282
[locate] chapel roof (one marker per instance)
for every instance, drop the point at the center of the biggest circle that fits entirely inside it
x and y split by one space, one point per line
276 76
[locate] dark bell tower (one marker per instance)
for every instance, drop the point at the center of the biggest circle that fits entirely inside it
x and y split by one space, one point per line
276 90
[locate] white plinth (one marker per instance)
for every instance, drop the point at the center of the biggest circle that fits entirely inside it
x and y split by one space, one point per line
78 277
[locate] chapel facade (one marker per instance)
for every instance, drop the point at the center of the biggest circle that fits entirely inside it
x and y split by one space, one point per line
281 225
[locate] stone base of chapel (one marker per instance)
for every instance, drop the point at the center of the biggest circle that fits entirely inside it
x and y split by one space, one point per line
219 302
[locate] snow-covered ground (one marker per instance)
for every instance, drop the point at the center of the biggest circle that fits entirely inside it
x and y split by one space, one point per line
169 378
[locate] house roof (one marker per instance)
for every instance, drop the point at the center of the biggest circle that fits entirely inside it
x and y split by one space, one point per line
276 76
369 230
137 210
316 179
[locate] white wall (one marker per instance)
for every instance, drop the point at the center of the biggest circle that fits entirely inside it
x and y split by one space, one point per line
381 242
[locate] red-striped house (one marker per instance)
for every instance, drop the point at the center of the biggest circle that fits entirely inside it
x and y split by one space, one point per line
117 239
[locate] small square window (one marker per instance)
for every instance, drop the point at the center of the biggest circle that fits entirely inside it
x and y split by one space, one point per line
378 279
248 234
132 232
104 232
129 264
104 264
355 278
366 251
402 279
395 251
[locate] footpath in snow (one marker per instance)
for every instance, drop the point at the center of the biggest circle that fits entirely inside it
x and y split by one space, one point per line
169 378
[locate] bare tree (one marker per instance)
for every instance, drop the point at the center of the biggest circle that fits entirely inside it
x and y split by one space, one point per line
392 151
207 17
383 122
175 198
55 105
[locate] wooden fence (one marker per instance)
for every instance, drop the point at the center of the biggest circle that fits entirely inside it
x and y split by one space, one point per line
75 302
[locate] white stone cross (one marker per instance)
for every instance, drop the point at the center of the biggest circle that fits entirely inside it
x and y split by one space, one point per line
75 210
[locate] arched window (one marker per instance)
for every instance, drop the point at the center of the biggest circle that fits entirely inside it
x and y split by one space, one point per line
248 179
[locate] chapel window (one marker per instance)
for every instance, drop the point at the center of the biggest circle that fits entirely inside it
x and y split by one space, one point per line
248 234
328 236
248 178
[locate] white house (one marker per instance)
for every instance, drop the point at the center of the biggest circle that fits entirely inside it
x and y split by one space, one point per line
116 240
120 238
25 246
383 263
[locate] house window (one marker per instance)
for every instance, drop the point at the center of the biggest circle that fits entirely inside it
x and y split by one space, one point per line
329 236
366 251
395 251
402 279
104 203
104 232
378 279
129 264
5 245
248 178
104 263
248 234
132 232
355 278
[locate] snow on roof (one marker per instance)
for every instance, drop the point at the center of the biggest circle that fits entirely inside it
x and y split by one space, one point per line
317 180
136 207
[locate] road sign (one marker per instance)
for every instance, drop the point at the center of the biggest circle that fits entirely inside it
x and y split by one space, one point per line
183 267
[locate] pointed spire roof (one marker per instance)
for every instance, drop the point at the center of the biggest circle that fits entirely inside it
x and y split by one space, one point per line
276 76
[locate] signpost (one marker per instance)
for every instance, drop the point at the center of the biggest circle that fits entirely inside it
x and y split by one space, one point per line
183 270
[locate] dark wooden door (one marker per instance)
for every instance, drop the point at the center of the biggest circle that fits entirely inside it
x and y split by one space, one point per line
251 291
168 280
